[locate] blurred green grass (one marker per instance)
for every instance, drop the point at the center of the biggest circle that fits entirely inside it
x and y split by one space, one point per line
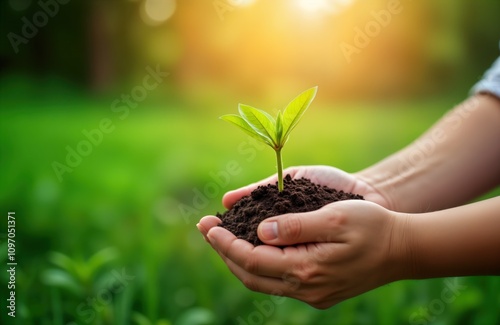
128 191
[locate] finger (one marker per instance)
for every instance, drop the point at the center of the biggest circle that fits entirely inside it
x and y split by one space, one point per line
231 197
277 286
324 225
288 283
206 223
262 260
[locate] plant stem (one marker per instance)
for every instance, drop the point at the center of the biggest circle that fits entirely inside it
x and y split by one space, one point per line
280 169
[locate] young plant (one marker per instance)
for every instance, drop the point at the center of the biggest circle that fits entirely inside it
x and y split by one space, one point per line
273 132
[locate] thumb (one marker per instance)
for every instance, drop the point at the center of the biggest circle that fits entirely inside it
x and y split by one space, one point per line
321 225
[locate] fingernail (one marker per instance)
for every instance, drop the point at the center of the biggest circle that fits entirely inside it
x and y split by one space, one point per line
200 228
211 239
269 230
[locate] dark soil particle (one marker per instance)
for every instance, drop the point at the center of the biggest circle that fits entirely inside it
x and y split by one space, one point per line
298 195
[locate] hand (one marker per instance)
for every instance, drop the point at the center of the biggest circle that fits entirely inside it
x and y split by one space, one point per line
323 175
340 251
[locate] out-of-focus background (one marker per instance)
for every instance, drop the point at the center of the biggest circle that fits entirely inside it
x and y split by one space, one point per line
111 149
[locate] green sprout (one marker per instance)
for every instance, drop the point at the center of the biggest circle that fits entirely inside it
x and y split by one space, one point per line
273 132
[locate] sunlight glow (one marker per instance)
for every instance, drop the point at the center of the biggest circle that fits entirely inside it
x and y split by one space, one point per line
241 3
289 44
155 12
324 6
313 5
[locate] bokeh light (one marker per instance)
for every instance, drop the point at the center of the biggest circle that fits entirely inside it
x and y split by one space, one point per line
313 5
155 12
159 73
241 3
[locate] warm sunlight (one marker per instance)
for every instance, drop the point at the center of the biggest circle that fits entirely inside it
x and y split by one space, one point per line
313 5
324 6
241 3
155 12
343 46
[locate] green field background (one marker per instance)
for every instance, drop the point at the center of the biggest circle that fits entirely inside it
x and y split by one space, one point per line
109 237
131 207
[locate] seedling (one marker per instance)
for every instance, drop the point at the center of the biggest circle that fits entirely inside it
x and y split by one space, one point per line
272 131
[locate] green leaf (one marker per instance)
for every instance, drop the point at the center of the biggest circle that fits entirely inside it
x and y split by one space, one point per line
296 108
101 258
275 133
61 279
64 262
279 130
140 319
259 120
242 124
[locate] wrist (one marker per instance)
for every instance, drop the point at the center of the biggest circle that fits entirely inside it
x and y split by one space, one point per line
461 241
401 257
383 184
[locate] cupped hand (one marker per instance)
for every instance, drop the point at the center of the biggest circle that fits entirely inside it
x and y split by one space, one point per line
337 252
322 175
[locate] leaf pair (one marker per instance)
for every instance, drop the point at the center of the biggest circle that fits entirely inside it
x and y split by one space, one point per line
273 132
263 127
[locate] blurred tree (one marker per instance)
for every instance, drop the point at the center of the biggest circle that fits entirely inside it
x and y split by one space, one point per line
101 43
45 38
102 67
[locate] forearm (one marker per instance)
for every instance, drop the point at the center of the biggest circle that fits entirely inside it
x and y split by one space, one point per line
461 241
453 162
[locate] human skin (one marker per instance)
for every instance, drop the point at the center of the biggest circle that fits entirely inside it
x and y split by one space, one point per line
414 224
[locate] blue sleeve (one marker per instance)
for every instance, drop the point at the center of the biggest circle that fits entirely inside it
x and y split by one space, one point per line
490 82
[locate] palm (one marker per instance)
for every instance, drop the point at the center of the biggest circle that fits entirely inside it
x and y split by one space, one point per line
323 175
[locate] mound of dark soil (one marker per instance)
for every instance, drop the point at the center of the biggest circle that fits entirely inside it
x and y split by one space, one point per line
298 195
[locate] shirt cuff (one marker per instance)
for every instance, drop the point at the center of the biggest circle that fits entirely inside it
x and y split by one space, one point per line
490 82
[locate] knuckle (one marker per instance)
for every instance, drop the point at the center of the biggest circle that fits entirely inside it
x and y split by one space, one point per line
291 229
292 282
336 219
305 272
251 264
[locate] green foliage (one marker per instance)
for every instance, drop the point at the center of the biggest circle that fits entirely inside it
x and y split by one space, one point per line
273 132
116 198
73 273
